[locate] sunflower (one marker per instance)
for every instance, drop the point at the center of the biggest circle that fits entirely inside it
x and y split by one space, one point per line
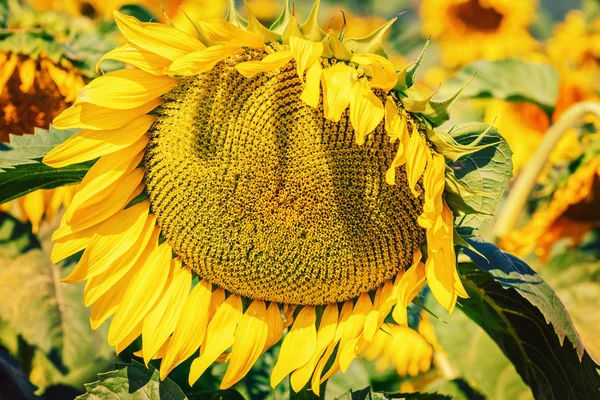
572 209
40 76
250 180
468 30
410 352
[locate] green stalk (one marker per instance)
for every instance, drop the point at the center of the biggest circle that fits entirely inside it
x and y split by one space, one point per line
515 203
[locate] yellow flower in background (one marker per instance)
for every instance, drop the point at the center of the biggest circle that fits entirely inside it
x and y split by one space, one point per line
468 30
408 351
250 180
571 213
575 42
175 10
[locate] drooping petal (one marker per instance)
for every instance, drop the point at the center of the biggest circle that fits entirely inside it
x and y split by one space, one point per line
366 111
91 116
160 39
353 329
250 338
134 55
219 337
416 160
312 90
434 181
125 89
161 320
221 31
275 324
142 294
190 330
337 84
90 144
411 282
383 72
203 60
298 346
273 61
325 335
112 240
306 53
32 205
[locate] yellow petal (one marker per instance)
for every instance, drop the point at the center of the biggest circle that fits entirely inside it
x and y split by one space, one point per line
341 327
97 212
203 60
70 244
298 346
8 67
312 90
91 116
133 258
434 181
221 31
161 320
353 329
325 335
337 83
395 125
250 338
125 89
366 111
112 239
381 308
190 330
160 39
32 206
410 284
90 144
142 294
138 57
382 71
275 324
416 160
27 74
219 337
130 338
306 53
273 61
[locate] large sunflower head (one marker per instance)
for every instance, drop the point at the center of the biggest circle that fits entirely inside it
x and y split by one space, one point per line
254 179
468 30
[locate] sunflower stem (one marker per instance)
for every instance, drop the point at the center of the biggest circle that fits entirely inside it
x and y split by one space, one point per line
526 181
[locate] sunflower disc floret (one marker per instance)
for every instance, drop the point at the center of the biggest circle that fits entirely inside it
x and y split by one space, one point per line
253 180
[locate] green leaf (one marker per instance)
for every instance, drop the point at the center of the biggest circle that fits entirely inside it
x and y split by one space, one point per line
27 149
523 315
48 314
483 175
132 382
367 394
576 278
477 357
512 80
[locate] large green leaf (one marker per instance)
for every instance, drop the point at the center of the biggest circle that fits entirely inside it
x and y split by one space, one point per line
47 314
367 394
576 278
483 175
29 149
513 80
21 169
132 382
25 179
523 315
477 357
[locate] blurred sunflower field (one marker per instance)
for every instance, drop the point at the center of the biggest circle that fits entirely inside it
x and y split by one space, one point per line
267 199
